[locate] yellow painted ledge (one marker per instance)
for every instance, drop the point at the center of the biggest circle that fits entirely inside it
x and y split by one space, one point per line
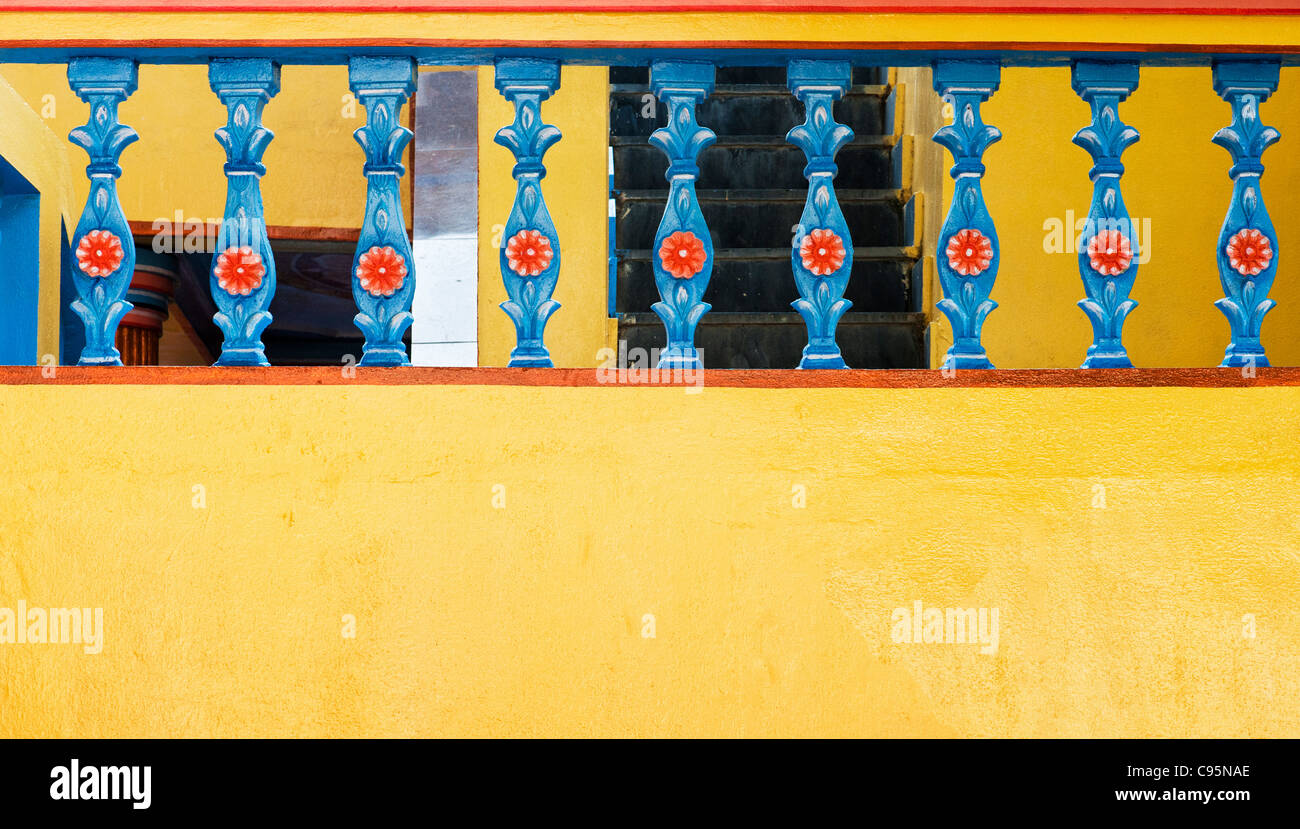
504 551
1202 32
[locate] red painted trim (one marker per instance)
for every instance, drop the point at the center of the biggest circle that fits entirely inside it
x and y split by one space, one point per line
587 377
144 318
146 280
1242 7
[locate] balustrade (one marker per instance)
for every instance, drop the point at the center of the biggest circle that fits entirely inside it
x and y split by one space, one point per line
383 270
530 253
243 269
1248 245
968 256
102 244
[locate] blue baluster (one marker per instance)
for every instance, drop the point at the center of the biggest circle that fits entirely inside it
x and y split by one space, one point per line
102 242
682 256
968 256
1107 252
243 271
383 270
1247 243
823 250
530 250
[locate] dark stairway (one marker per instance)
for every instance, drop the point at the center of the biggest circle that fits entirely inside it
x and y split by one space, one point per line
751 189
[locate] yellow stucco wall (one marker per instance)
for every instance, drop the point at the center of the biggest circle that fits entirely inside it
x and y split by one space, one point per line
507 551
1123 551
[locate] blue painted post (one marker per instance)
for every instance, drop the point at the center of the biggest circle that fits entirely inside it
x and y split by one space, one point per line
530 252
969 255
383 271
822 258
1247 243
682 257
1107 255
243 270
102 241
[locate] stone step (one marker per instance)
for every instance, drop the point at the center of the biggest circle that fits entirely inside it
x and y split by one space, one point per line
761 279
743 110
776 340
760 218
752 163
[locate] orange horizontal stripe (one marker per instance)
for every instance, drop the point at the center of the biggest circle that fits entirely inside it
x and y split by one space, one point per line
143 318
145 280
588 377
